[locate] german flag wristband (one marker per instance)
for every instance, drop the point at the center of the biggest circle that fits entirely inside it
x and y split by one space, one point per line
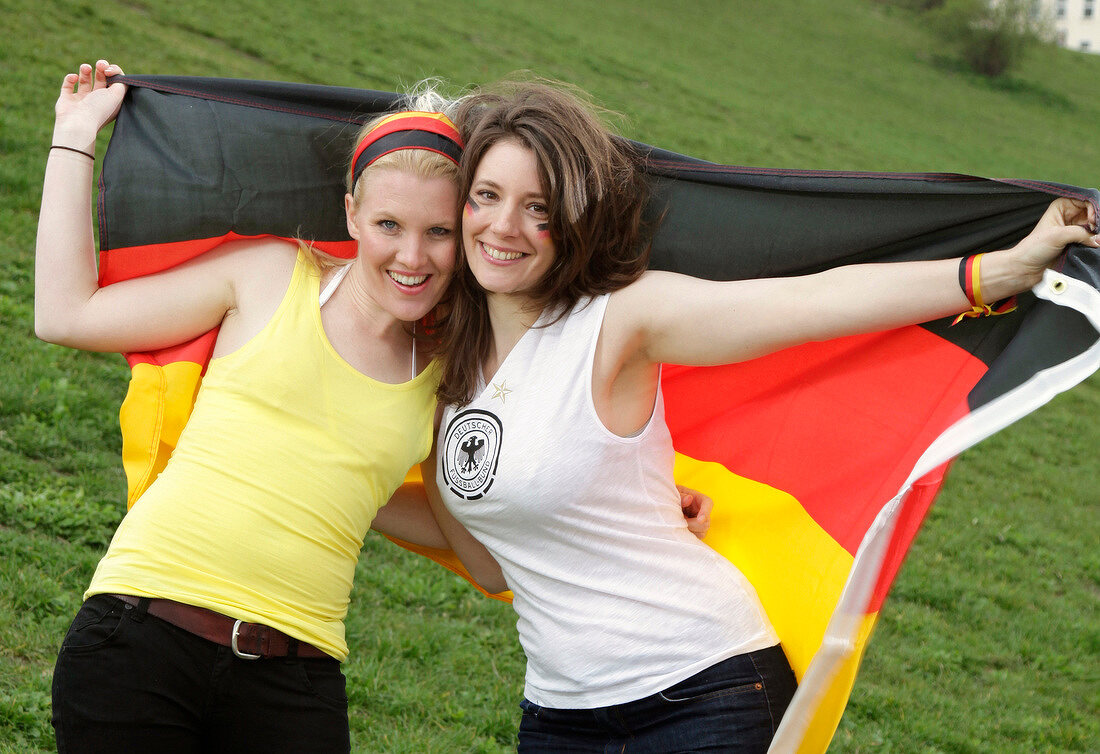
970 280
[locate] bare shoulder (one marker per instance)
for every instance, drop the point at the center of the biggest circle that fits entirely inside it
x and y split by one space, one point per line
650 280
248 258
252 258
257 269
662 316
631 307
627 320
653 284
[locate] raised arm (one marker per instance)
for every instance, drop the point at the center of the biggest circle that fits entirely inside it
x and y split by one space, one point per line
672 318
70 307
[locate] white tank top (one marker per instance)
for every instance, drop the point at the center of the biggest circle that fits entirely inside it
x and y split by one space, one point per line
615 598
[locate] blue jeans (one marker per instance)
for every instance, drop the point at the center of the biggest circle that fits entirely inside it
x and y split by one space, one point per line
734 706
126 681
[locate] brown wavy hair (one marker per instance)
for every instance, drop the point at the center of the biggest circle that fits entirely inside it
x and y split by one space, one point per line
596 192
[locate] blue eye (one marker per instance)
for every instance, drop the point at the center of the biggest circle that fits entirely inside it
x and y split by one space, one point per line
439 232
387 224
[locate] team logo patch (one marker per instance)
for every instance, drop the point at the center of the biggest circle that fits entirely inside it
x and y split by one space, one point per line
471 448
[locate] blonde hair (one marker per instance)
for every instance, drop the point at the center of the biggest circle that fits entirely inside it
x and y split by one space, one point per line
422 97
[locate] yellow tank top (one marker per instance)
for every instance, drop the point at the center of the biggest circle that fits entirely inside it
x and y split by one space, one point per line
261 512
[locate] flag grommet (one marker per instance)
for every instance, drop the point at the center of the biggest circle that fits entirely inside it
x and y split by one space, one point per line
1057 286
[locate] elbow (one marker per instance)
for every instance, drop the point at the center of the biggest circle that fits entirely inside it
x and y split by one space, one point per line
498 588
491 580
59 331
62 326
48 329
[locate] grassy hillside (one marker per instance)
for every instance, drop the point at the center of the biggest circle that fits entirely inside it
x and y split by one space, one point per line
989 641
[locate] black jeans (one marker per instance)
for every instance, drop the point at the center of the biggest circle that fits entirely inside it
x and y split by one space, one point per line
128 682
733 706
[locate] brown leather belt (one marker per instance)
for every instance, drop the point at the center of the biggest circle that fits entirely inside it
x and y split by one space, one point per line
249 641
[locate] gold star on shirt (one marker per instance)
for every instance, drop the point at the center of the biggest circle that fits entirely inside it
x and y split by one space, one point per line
502 391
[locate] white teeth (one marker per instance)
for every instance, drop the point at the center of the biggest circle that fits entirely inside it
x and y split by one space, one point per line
503 256
410 280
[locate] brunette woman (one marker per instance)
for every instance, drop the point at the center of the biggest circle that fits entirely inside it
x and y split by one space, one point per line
553 451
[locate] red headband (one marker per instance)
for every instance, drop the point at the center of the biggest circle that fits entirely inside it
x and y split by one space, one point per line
407 130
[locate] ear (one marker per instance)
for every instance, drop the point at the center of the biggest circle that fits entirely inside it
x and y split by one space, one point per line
349 211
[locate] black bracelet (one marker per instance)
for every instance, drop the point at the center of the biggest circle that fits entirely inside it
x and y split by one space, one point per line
962 279
74 149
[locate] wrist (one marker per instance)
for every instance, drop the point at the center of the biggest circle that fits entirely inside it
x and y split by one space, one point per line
990 282
1006 273
78 138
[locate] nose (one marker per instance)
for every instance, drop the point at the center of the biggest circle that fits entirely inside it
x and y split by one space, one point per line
504 222
411 253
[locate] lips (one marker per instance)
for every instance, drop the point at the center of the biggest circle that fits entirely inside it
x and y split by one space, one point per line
412 283
500 255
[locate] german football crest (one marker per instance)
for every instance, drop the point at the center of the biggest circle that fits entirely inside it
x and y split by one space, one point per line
471 447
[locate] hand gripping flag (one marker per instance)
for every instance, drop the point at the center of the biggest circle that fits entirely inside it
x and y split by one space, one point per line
822 459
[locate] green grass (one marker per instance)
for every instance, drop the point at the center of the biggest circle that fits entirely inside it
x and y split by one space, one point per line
989 641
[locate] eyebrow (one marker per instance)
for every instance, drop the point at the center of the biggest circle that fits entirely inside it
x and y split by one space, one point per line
388 214
490 183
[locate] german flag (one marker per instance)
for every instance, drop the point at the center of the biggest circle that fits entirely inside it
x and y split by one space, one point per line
823 459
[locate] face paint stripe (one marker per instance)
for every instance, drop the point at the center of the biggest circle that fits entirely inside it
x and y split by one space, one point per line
471 205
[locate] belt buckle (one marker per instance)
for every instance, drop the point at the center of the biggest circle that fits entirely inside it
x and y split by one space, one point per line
233 644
